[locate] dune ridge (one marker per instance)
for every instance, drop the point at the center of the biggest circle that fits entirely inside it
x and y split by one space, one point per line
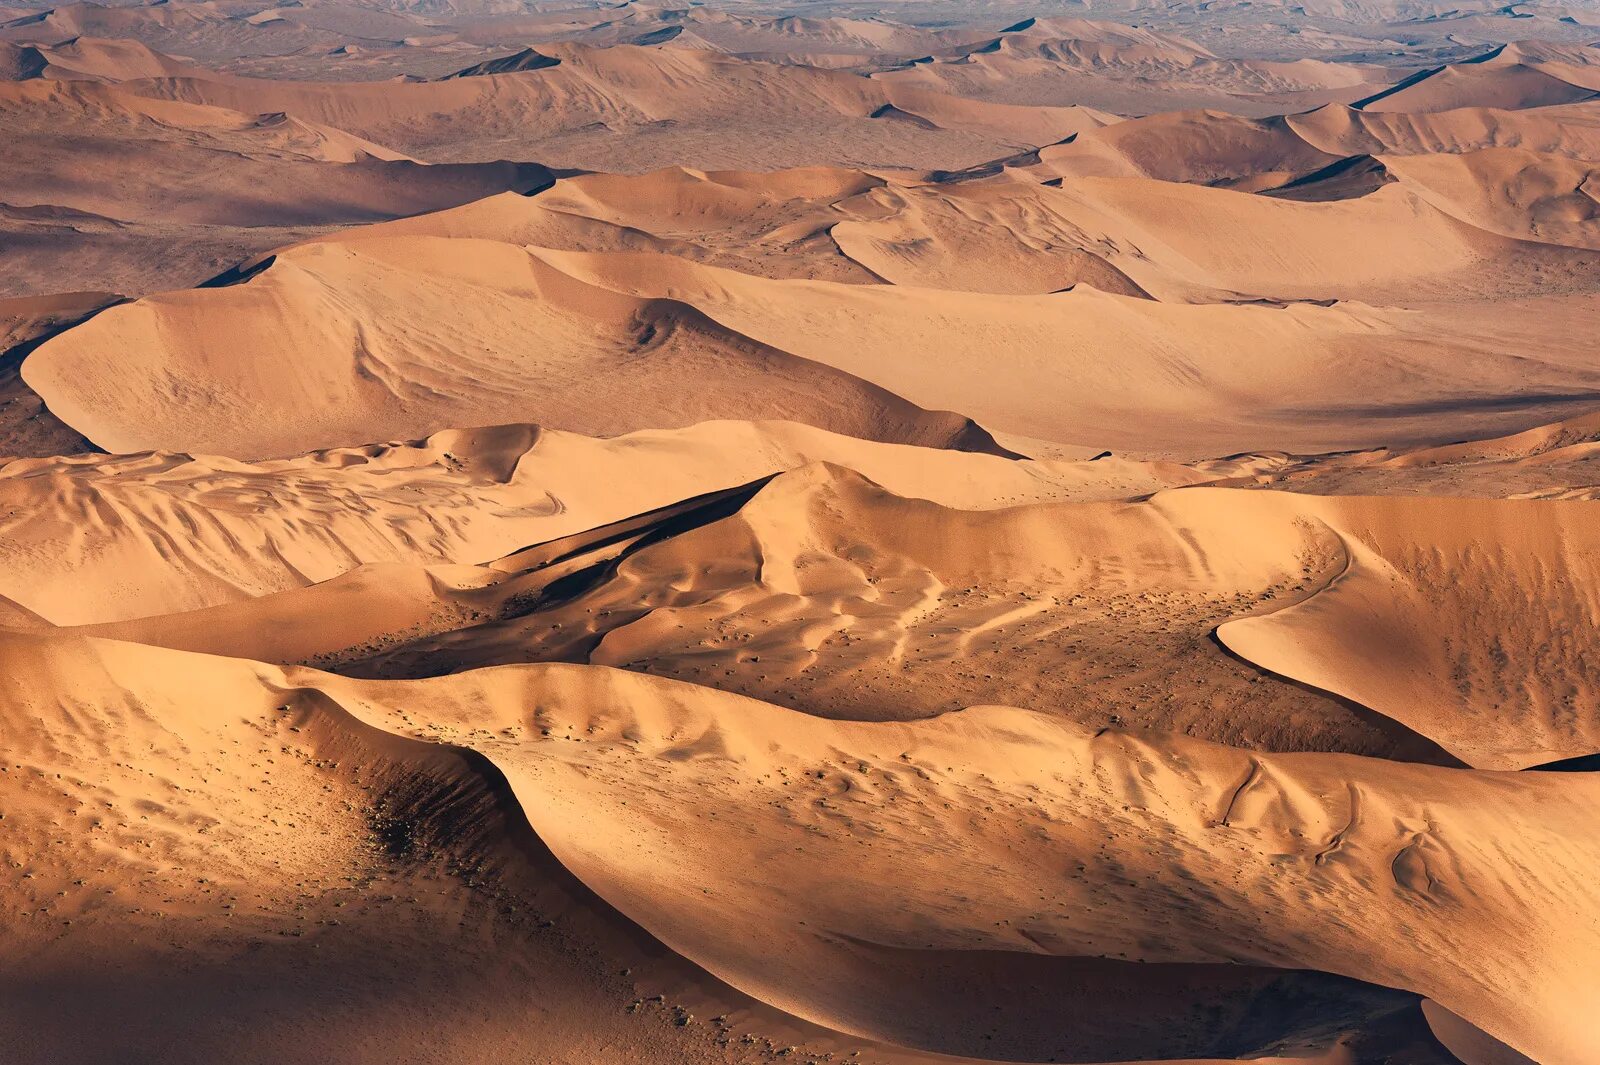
603 738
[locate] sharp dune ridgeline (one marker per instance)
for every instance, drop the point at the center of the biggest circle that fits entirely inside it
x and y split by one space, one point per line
760 533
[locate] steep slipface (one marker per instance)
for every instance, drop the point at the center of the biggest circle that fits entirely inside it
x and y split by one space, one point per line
527 59
19 63
103 539
1500 84
283 883
132 194
26 425
1469 621
397 338
827 594
699 814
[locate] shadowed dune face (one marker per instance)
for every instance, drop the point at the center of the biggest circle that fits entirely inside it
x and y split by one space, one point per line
450 334
27 427
399 336
787 535
132 194
831 596
460 497
1063 817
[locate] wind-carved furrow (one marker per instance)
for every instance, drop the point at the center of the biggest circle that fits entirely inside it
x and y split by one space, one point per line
1250 779
1337 839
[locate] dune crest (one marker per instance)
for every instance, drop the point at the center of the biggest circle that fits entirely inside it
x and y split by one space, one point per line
629 751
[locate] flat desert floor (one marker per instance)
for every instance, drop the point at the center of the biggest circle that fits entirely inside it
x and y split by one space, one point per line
833 532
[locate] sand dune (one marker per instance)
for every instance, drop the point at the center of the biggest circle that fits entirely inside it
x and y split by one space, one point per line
830 596
761 534
1214 148
370 340
1503 78
1368 248
976 238
880 601
308 915
176 180
458 497
1203 147
1520 194
912 767
1056 384
745 113
1472 1045
1005 233
1554 461
136 193
1127 70
216 30
549 347
1361 636
636 755
95 58
822 224
1558 129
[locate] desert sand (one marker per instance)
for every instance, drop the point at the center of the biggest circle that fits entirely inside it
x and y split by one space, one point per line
800 533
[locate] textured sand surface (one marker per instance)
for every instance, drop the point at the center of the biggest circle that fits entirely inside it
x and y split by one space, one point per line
775 533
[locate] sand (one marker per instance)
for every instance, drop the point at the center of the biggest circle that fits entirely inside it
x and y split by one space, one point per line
767 534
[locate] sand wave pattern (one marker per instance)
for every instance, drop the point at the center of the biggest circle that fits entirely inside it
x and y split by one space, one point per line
776 533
